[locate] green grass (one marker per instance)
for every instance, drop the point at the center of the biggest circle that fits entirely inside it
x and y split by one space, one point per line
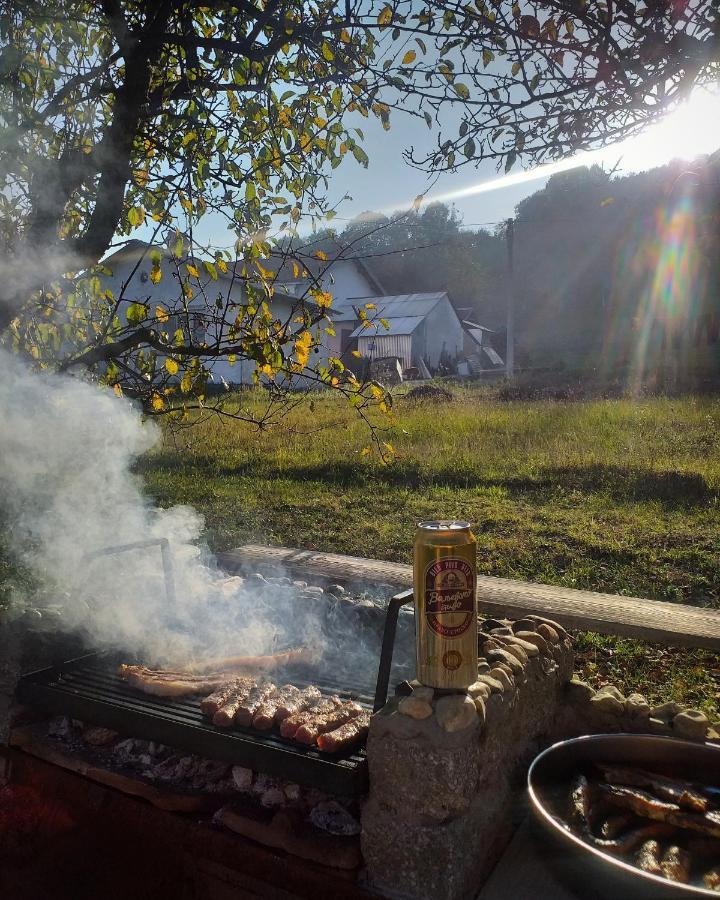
618 496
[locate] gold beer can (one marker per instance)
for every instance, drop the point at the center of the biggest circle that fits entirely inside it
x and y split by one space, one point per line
445 604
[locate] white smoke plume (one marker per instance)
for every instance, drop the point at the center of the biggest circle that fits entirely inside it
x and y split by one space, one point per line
67 491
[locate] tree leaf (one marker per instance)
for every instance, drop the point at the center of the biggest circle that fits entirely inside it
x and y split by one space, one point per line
461 90
385 17
409 57
171 366
192 270
469 148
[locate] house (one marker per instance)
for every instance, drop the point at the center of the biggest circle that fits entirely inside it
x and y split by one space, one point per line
422 329
130 269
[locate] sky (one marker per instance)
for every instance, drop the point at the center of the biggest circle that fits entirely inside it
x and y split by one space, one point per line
482 195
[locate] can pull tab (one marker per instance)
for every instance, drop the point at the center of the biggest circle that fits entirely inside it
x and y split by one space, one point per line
388 645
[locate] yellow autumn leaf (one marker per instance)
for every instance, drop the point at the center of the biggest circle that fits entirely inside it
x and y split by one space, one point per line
323 299
385 17
186 383
376 391
161 315
171 366
366 451
409 57
222 265
370 306
158 403
192 270
345 36
118 390
356 353
155 274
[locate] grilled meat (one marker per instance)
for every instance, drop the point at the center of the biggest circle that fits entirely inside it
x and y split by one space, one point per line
210 705
675 864
167 684
346 735
671 789
305 699
225 714
631 840
648 858
289 726
649 807
264 717
250 705
321 724
580 802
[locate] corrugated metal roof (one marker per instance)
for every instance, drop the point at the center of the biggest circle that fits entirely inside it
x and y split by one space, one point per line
398 325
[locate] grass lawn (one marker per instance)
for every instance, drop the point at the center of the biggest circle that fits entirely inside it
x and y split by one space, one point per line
617 495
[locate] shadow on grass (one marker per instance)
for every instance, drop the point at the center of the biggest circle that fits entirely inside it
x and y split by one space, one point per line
679 489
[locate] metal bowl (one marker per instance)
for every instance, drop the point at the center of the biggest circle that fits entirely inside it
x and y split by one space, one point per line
592 871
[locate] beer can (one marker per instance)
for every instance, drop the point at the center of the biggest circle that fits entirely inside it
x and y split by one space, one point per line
445 604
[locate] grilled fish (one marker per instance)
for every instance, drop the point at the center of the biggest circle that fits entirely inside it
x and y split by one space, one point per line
675 864
676 791
649 807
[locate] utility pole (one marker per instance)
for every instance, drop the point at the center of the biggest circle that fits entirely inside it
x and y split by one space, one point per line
510 328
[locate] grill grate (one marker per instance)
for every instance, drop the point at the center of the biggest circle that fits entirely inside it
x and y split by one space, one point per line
90 689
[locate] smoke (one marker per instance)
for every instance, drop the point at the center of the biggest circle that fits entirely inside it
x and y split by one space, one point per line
67 491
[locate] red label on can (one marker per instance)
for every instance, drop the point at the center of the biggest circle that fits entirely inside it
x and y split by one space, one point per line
449 597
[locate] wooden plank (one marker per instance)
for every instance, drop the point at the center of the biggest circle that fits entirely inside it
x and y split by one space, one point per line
523 873
651 620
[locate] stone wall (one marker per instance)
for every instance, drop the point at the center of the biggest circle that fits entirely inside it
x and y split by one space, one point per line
444 767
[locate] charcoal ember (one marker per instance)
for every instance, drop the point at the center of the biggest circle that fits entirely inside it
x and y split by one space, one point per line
212 770
166 770
263 784
242 778
273 798
330 816
156 750
125 748
97 736
61 727
292 791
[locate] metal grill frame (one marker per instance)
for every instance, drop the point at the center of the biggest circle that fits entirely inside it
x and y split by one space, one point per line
89 688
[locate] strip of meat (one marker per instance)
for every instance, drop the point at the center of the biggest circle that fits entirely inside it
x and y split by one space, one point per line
264 717
172 686
305 699
321 724
676 791
346 736
644 804
225 715
257 696
711 879
298 656
648 858
289 726
675 864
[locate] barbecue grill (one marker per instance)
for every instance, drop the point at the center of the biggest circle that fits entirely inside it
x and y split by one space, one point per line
89 688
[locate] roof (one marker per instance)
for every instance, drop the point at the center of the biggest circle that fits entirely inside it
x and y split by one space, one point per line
399 325
473 326
281 263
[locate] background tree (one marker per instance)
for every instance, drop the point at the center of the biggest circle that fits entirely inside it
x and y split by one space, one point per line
122 114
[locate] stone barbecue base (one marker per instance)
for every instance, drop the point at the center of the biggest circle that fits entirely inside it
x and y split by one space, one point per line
445 770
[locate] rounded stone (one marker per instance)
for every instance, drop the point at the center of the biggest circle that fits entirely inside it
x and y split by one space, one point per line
501 655
422 692
531 637
666 712
691 724
479 689
524 625
637 706
612 691
489 624
337 589
517 651
579 691
494 685
480 709
556 626
503 631
529 648
483 666
657 726
607 704
415 708
549 633
456 713
502 676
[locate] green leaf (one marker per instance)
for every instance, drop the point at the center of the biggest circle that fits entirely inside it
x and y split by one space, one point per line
136 313
510 161
469 148
189 138
461 90
136 215
360 155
